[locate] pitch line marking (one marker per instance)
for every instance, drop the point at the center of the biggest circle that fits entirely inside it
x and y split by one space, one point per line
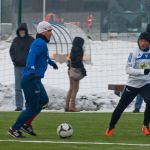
78 143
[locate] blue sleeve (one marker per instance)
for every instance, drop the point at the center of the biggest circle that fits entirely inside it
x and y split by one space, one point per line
50 62
35 50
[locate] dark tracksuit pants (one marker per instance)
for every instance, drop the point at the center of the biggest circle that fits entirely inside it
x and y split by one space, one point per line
35 96
127 97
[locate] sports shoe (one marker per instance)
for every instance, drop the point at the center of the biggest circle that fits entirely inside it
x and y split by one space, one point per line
66 110
136 110
146 130
28 129
18 109
15 133
109 132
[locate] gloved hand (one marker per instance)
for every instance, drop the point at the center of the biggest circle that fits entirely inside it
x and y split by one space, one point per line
83 71
32 77
54 65
146 71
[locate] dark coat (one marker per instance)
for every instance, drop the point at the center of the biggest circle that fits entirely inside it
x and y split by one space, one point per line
20 46
76 55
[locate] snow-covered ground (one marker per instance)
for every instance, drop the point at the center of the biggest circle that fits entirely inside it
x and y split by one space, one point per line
108 66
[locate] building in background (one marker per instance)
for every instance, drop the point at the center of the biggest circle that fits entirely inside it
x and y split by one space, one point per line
108 16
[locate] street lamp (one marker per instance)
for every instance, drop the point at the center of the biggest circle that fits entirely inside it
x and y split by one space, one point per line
0 11
0 18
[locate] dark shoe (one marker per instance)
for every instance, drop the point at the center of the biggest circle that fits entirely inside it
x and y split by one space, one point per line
136 110
18 109
66 109
28 129
15 133
45 106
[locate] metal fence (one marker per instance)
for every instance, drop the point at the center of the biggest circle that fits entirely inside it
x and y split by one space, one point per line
108 51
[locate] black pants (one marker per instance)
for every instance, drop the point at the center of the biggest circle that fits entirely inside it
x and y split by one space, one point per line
127 97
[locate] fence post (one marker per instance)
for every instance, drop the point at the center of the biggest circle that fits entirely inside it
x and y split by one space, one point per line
19 12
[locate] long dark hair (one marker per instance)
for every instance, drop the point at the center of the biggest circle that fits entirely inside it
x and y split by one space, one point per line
77 49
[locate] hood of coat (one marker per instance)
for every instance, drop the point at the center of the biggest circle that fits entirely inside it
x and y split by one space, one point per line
78 42
22 26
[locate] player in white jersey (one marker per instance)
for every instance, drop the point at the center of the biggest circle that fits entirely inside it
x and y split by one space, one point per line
138 69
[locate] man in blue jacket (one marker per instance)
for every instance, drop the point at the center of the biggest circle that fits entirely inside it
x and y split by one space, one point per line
34 91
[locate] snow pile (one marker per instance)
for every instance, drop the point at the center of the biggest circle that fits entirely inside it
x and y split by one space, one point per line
102 102
7 97
108 66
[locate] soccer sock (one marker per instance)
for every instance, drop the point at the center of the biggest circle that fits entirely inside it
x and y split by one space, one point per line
29 122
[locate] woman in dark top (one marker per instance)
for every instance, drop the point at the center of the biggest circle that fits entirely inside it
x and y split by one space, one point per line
76 61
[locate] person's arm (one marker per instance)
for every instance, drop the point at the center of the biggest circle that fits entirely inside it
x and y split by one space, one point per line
12 51
80 63
52 63
78 58
130 66
35 50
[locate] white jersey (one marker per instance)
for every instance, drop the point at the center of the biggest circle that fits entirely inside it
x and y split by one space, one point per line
138 60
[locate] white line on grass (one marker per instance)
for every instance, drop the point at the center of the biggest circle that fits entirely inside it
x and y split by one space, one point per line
79 143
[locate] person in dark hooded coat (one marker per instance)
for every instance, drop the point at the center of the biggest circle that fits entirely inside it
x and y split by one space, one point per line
19 50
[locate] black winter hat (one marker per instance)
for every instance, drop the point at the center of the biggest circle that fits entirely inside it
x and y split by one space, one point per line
78 42
145 36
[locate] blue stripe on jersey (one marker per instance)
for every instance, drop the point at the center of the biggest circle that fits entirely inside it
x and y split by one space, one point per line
130 57
144 56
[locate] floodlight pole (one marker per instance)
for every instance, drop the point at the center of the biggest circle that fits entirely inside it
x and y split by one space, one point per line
19 12
0 11
44 9
142 6
0 18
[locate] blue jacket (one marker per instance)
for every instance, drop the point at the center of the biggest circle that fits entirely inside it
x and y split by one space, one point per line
38 59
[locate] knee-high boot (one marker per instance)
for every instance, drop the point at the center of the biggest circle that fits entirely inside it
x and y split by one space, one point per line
72 107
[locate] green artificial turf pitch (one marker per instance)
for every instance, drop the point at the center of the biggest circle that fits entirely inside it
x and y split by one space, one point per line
89 132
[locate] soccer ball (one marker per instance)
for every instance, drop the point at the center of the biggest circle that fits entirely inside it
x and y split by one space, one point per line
64 130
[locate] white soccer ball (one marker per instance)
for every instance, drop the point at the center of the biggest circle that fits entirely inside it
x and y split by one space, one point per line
64 130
